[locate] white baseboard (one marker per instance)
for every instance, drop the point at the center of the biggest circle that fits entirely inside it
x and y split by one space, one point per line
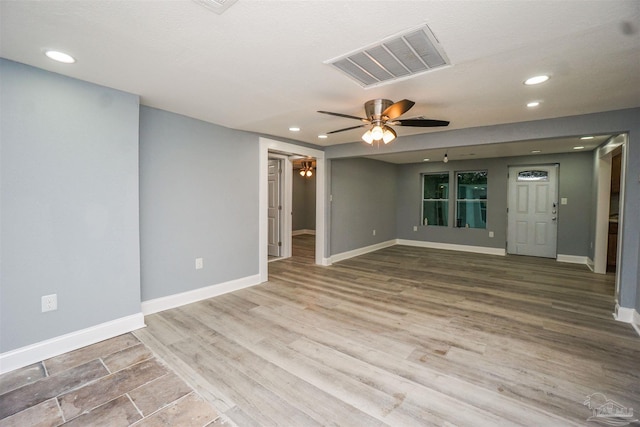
453 247
303 231
177 300
591 264
573 259
43 350
360 251
628 315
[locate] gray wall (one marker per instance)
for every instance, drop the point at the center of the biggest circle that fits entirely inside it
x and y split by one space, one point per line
69 196
610 122
573 219
198 199
363 199
304 202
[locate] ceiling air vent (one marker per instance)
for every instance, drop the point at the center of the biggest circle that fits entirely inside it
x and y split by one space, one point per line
218 6
398 57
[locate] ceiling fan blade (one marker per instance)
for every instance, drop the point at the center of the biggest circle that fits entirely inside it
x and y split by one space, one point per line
398 109
342 130
422 123
344 115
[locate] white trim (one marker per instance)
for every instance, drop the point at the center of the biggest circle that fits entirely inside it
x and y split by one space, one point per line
265 146
628 315
303 231
453 247
573 259
591 264
286 186
43 350
603 199
361 251
183 298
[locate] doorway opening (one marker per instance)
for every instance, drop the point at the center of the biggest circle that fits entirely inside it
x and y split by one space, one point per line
291 209
610 166
286 153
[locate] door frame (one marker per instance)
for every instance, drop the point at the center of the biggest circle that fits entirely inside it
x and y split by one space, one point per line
269 147
556 166
603 168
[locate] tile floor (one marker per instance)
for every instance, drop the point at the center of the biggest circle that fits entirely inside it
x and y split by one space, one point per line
117 382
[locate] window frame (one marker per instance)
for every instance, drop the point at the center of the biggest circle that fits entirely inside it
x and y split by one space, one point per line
458 200
447 200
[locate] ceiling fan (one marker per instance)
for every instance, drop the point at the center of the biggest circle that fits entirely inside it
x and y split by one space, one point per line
382 113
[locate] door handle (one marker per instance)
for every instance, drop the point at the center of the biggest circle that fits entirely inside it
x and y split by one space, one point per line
553 218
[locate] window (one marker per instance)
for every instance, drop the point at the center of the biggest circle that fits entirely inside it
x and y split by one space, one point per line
435 199
533 175
471 202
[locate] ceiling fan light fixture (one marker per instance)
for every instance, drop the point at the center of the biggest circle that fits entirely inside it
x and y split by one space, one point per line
388 135
382 113
306 169
367 137
377 133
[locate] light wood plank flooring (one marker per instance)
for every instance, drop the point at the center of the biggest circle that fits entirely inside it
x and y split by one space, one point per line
406 336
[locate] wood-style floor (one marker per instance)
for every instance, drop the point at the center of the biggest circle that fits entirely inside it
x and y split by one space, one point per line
406 336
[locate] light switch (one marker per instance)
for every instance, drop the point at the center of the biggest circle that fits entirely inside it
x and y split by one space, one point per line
563 201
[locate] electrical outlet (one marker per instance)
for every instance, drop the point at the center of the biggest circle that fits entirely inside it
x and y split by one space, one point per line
49 302
491 234
199 263
415 228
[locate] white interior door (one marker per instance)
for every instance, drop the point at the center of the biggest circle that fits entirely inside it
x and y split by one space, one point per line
274 207
533 211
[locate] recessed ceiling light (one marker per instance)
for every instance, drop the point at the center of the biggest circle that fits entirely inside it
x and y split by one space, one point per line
294 129
587 137
533 104
323 136
536 80
578 147
535 151
60 56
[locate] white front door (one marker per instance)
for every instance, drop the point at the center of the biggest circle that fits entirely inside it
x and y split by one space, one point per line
274 207
533 211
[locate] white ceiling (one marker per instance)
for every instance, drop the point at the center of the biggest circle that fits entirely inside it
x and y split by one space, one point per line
260 66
